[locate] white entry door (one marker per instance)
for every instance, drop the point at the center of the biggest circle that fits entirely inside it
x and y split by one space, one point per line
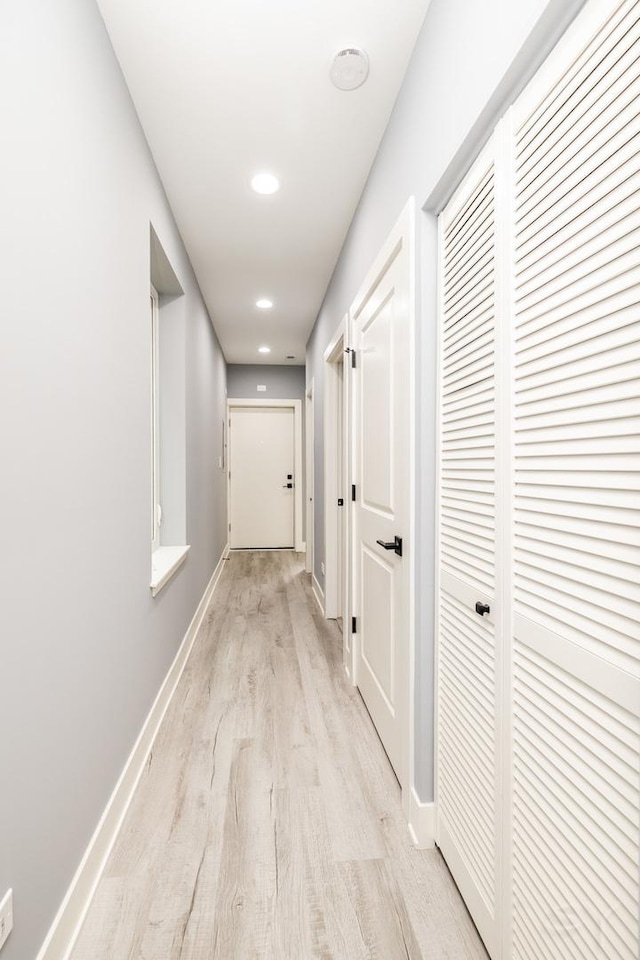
261 477
382 331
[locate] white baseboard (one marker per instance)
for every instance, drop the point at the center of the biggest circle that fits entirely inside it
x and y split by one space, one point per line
318 593
422 822
71 915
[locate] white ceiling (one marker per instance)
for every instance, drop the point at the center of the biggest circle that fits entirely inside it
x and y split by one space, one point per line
228 88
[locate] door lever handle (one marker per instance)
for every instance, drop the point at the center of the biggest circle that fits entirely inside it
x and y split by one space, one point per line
396 545
287 486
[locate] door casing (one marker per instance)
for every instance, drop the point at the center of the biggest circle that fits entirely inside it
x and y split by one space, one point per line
309 478
337 483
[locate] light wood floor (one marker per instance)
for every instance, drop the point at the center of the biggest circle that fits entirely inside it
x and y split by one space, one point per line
267 825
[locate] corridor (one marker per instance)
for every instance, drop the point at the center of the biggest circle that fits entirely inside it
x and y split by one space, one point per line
267 823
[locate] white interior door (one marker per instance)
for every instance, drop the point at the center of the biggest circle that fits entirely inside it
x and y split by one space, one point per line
541 354
576 626
468 743
261 481
382 331
342 491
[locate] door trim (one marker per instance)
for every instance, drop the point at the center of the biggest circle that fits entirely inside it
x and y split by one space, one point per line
296 406
309 485
403 234
334 352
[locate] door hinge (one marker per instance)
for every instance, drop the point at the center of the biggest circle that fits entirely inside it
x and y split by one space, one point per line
229 528
353 492
353 356
353 624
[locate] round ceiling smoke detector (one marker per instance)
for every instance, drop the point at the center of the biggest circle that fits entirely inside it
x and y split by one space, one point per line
350 69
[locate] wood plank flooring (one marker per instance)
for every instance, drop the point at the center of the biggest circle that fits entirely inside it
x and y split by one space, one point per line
267 824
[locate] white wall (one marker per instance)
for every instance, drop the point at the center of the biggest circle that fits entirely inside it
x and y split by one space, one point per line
470 61
83 646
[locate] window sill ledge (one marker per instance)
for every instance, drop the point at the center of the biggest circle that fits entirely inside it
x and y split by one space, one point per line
164 563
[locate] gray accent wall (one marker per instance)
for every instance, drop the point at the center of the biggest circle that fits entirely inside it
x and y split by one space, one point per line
282 382
470 62
83 646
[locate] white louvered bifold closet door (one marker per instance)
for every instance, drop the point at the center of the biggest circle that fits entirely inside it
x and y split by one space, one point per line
467 792
576 645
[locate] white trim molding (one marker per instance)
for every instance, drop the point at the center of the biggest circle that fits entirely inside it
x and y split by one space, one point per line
422 822
318 593
296 406
336 482
65 928
335 453
309 431
165 561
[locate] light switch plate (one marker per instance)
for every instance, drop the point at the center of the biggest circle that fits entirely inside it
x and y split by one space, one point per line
6 917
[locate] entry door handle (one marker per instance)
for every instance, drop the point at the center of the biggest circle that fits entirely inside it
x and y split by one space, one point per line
396 545
287 486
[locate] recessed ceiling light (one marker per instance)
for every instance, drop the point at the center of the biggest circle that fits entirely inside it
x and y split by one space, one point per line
264 304
264 349
350 68
265 183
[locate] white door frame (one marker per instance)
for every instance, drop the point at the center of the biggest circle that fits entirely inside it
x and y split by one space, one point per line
403 233
310 477
334 515
296 406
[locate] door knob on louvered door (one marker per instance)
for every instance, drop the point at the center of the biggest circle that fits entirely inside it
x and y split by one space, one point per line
482 608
